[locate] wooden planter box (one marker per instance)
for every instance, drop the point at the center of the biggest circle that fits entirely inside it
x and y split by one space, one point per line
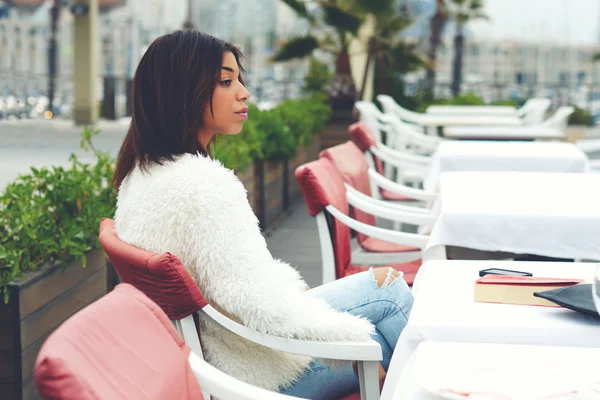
247 178
38 305
336 130
268 190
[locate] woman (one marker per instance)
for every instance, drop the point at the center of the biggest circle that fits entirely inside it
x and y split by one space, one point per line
174 197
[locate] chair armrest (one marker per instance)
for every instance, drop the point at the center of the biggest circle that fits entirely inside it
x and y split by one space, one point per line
413 159
224 386
386 203
401 164
407 239
351 351
388 213
402 190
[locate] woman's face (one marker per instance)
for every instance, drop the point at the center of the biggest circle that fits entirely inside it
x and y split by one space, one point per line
228 100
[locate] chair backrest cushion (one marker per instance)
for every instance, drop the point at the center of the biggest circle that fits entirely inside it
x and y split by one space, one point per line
361 135
161 277
122 346
322 185
351 163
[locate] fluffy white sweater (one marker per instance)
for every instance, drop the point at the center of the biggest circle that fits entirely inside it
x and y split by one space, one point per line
198 210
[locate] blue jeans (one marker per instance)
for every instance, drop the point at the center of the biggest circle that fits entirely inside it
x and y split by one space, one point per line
387 307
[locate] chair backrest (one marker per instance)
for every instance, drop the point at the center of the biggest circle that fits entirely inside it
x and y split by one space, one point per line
560 119
364 140
352 165
534 110
322 185
369 114
122 346
390 106
161 277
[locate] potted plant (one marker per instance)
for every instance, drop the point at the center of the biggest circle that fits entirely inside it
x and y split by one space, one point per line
51 264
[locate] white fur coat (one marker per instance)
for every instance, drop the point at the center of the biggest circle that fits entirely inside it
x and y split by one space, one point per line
198 210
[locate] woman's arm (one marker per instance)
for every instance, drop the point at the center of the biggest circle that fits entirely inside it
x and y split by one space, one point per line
237 273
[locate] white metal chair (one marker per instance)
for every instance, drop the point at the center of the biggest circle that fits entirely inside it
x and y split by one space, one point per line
165 281
391 107
328 199
100 353
381 186
560 119
352 166
534 110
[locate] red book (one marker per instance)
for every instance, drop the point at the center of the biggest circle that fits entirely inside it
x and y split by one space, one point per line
518 289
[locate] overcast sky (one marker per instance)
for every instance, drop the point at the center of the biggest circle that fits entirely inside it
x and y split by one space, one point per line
559 21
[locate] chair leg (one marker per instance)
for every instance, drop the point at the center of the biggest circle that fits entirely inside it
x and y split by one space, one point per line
368 377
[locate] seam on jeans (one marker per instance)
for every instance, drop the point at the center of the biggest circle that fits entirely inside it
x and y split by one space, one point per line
398 306
318 368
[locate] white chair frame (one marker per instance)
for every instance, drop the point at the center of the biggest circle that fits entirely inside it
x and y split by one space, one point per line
327 255
560 118
534 110
366 354
223 386
391 107
412 139
390 211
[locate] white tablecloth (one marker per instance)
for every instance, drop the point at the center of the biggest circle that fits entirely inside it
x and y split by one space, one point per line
444 311
473 110
548 214
430 120
519 371
504 132
504 156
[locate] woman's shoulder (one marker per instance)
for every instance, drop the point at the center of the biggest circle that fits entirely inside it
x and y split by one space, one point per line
187 172
187 177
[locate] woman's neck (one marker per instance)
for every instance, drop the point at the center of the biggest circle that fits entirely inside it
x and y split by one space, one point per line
205 138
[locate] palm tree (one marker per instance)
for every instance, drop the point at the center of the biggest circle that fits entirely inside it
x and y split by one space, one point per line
332 29
462 11
596 57
436 26
188 25
391 55
344 18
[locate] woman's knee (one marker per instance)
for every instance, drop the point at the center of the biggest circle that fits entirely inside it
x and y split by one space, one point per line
385 276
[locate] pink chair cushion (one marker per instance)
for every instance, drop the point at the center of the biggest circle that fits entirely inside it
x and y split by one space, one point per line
322 185
351 163
364 139
120 347
375 245
161 277
387 195
362 136
410 269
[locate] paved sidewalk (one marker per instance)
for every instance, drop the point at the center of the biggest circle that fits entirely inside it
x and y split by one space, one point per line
295 240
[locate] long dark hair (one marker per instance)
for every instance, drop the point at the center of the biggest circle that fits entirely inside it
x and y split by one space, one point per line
174 81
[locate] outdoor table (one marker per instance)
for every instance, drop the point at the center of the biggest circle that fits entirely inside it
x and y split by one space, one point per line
517 371
444 311
530 132
504 156
496 111
540 213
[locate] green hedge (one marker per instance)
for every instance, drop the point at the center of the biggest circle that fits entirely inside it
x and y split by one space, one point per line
581 117
53 213
274 135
